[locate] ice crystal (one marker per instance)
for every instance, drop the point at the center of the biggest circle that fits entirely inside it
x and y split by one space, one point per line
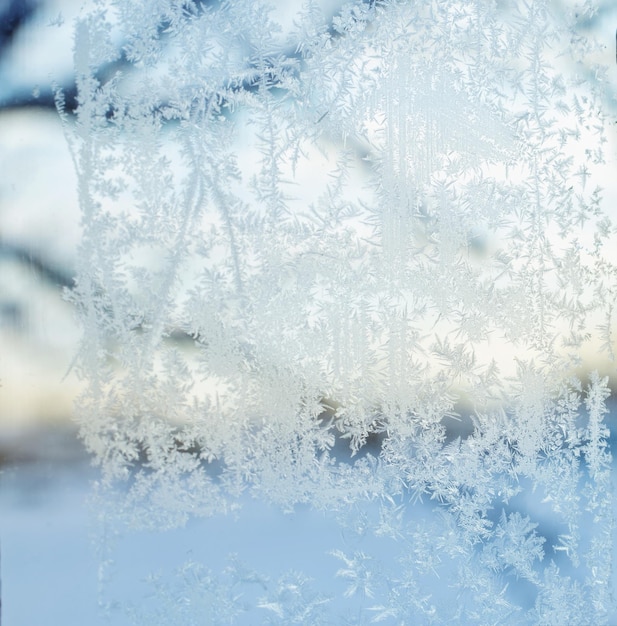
355 264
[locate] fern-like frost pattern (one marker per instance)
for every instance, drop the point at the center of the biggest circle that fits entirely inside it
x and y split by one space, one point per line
352 264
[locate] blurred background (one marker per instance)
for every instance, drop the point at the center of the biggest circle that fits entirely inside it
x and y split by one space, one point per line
43 468
48 569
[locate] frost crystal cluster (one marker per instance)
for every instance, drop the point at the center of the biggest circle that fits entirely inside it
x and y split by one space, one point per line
354 264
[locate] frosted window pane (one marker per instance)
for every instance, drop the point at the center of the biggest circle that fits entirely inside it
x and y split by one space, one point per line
353 265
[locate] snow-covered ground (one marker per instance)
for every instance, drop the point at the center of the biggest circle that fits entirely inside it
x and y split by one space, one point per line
59 567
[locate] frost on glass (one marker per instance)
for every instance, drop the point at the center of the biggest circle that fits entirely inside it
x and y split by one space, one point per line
354 264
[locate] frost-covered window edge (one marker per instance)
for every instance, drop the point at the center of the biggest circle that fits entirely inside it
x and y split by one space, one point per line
353 265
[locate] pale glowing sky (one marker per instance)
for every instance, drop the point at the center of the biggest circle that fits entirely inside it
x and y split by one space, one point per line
38 208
